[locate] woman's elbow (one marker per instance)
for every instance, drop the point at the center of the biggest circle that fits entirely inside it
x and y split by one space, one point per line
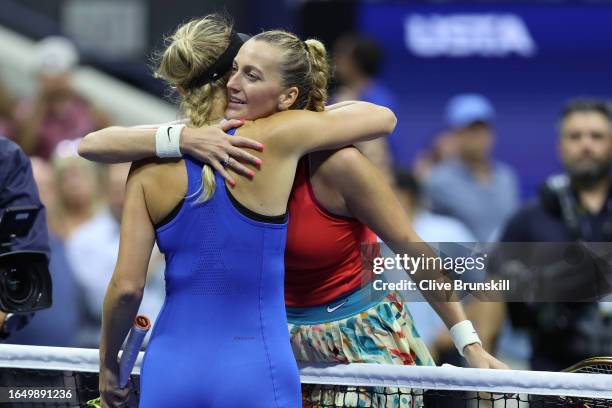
126 291
87 146
390 120
95 145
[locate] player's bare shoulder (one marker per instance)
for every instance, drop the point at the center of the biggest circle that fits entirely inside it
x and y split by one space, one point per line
163 181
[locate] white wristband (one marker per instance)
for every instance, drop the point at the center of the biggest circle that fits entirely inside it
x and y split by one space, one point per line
463 334
167 141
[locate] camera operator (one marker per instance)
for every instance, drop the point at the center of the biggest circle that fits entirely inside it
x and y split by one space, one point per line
574 206
18 189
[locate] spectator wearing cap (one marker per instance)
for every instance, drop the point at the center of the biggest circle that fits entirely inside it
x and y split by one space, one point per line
57 112
357 62
473 187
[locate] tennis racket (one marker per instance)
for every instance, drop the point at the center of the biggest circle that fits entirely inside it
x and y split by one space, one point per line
593 365
130 353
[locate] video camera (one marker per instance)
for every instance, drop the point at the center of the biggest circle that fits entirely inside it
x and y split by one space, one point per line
25 282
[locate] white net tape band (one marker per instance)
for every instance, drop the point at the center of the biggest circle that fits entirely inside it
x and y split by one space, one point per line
460 379
363 375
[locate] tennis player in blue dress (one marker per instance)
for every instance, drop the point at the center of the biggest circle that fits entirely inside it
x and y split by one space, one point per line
220 339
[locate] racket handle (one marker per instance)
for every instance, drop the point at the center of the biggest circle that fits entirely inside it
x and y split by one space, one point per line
132 348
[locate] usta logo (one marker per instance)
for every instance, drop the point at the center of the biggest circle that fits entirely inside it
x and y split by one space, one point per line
468 35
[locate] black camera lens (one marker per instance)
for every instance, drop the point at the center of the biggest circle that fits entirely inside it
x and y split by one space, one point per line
25 283
19 287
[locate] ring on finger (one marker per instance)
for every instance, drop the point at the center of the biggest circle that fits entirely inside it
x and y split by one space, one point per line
225 162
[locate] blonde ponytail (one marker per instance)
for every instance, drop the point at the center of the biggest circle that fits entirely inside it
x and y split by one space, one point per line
319 74
303 65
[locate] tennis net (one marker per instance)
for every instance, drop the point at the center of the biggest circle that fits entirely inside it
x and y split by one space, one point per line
62 371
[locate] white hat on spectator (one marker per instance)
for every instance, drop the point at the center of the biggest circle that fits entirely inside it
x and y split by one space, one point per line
55 56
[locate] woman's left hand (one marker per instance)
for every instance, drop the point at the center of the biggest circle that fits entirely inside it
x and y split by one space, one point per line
477 357
111 395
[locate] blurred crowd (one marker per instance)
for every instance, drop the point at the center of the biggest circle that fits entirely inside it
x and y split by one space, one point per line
456 191
83 200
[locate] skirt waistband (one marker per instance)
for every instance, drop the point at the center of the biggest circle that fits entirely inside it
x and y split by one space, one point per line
340 308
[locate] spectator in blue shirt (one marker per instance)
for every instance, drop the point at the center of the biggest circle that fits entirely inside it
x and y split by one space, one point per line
474 188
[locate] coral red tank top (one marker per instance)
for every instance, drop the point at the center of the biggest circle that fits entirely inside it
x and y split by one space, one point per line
323 252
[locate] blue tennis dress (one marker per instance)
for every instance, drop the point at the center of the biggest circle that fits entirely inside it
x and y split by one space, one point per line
221 339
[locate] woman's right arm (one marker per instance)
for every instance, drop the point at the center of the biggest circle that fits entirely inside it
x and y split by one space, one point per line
211 144
118 144
301 131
